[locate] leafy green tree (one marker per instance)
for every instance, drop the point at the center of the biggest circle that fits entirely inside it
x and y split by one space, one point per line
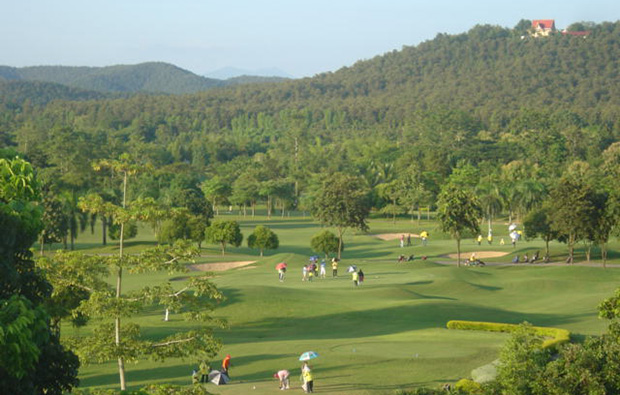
490 198
55 222
112 340
391 192
217 190
263 238
538 224
245 191
588 368
522 362
325 242
197 226
176 227
413 191
343 203
25 330
130 230
458 212
32 361
75 277
571 207
224 232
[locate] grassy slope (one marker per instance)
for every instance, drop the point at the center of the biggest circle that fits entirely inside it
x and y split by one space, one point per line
387 334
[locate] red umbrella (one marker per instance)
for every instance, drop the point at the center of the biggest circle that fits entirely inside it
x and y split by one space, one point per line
281 265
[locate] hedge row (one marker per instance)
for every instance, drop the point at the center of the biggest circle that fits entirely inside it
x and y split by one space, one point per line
557 336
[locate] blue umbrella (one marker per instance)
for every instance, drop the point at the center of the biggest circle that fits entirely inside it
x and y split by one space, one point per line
308 355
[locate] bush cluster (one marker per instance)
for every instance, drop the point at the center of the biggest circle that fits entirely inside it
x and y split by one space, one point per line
556 336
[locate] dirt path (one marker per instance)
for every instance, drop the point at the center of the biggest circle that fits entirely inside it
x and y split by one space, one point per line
394 236
219 266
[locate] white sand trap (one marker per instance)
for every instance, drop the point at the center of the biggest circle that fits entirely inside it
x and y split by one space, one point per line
219 266
394 236
480 254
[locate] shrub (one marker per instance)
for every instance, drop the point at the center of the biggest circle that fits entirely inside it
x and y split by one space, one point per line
558 336
468 386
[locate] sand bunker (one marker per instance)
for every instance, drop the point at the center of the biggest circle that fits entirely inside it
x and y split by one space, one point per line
394 236
219 266
480 254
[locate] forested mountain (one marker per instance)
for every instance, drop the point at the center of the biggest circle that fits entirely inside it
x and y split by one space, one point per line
15 92
487 70
153 77
491 106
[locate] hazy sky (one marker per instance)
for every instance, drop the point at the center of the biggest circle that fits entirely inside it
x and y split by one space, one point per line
300 37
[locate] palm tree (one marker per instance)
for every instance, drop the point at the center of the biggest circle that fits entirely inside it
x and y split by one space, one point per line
529 195
490 198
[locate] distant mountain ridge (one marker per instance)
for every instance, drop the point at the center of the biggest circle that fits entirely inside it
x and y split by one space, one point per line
150 77
227 73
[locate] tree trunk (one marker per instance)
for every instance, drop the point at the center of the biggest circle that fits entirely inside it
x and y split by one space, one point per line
490 230
571 248
340 232
104 228
268 206
458 251
119 279
419 214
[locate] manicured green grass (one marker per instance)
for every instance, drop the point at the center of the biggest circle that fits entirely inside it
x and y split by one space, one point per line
388 333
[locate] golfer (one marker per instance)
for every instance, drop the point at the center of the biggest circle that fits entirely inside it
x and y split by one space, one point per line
226 365
334 267
283 376
306 373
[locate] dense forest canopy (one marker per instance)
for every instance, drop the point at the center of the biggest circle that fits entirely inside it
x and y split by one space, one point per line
512 106
150 77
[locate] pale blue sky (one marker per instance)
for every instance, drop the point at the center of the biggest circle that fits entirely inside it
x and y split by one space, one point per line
300 37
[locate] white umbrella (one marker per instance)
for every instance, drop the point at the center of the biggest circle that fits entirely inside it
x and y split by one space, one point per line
308 355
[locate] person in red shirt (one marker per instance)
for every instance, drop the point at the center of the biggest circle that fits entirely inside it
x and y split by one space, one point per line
226 365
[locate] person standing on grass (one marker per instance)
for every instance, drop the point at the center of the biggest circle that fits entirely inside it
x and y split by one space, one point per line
204 370
355 277
424 237
334 267
402 241
408 239
322 272
360 276
226 365
306 374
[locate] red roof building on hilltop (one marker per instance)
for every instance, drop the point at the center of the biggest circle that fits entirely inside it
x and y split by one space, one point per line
543 27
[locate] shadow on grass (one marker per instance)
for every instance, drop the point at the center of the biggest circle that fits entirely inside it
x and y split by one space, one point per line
485 287
382 321
169 374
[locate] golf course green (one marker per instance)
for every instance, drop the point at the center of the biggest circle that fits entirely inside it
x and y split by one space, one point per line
390 332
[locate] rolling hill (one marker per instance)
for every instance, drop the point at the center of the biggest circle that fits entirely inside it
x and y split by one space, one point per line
152 77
